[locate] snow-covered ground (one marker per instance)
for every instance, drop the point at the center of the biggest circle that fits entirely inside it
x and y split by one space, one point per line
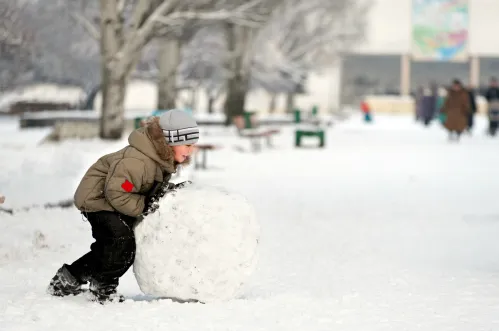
391 227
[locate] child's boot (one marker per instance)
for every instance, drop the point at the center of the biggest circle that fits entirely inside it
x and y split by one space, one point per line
64 283
104 292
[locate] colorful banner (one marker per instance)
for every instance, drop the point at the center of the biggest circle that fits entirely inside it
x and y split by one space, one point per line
440 30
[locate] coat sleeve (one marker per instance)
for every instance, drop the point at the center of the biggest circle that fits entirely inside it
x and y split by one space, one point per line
123 184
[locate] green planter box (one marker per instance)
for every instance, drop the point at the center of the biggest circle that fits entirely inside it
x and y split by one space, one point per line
320 134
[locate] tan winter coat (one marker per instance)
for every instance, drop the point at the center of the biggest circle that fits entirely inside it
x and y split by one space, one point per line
457 107
121 180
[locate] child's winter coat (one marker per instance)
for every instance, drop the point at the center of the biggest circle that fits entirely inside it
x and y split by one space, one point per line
122 180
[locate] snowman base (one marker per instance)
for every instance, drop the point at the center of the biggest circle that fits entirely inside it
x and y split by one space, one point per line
200 245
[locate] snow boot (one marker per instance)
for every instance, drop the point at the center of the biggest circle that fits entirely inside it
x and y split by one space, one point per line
104 293
64 283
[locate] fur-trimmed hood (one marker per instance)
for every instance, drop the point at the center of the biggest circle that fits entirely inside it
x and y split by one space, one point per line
150 141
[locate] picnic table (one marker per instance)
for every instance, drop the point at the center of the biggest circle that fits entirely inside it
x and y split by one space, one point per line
248 127
201 155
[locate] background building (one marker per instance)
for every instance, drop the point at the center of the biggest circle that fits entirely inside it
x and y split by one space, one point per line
377 65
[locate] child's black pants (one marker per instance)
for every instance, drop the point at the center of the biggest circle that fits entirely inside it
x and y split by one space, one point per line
112 253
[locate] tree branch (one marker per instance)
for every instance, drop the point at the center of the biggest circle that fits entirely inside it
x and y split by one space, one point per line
239 18
8 38
140 35
89 27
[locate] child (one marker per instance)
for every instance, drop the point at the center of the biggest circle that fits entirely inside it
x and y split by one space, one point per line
115 191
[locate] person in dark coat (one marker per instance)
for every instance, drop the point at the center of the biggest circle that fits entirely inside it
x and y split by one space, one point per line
418 98
471 93
492 96
456 108
428 104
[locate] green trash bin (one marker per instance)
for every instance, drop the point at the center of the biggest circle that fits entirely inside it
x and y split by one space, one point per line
315 110
247 119
297 113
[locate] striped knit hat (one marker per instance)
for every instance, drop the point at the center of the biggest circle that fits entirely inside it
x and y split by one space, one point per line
179 128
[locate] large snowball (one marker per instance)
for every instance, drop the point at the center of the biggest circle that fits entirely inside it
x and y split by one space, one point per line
201 244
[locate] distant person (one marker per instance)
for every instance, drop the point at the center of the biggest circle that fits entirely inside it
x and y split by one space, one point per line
2 199
456 109
471 93
418 98
428 104
441 95
492 96
366 110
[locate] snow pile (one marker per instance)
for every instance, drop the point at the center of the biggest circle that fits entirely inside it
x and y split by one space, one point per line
201 244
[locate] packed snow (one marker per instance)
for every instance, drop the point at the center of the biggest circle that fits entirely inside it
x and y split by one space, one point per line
390 227
201 244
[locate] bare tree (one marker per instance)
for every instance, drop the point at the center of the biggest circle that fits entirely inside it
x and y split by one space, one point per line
65 52
16 44
298 38
240 42
169 59
305 37
122 41
203 62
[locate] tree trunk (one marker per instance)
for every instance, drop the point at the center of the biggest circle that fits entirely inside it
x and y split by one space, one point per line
211 101
169 60
273 103
112 121
238 43
290 102
236 97
193 102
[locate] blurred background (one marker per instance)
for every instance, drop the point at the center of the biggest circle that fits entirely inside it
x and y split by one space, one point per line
227 59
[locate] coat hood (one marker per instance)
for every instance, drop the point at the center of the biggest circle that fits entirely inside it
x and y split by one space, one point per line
150 141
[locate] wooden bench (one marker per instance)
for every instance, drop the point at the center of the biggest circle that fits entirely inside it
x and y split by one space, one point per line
257 135
203 150
248 127
312 132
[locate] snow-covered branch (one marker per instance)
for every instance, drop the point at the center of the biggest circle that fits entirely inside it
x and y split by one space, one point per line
236 17
306 35
243 14
92 30
12 31
16 45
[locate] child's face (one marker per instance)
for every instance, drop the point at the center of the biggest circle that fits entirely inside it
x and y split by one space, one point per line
182 152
